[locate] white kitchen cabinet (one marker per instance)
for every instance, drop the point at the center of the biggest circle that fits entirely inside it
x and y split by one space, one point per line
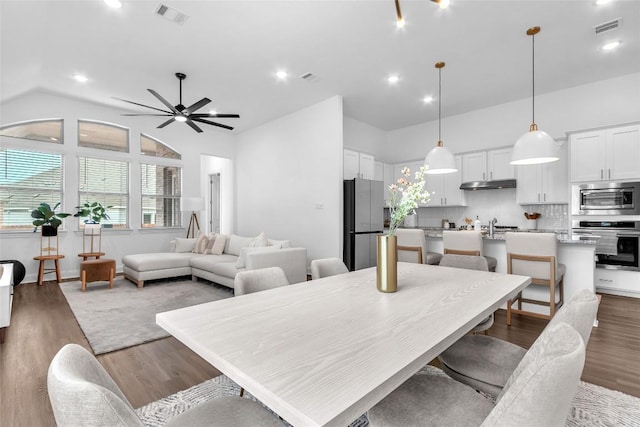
444 189
358 165
389 178
487 165
378 171
618 282
606 154
546 183
413 168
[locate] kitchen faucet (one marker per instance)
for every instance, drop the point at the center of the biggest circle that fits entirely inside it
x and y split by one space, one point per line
492 226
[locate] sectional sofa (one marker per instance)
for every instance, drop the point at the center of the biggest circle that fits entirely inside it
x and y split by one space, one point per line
201 257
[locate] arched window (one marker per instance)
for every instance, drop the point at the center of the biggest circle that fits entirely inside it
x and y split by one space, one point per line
150 146
104 136
45 130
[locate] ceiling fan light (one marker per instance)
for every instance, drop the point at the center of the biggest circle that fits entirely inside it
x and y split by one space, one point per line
180 118
534 147
440 160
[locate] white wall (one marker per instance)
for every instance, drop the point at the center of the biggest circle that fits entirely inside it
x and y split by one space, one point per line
23 246
285 170
363 137
606 102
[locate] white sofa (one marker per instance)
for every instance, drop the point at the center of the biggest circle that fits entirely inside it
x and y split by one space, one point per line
238 255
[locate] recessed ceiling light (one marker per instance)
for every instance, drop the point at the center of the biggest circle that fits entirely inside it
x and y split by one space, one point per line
611 45
601 2
114 4
443 4
80 78
400 23
393 79
282 74
428 99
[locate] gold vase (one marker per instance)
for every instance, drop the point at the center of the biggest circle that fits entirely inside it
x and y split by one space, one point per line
387 266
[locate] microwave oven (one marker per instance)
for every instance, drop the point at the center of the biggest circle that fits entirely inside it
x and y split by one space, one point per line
606 198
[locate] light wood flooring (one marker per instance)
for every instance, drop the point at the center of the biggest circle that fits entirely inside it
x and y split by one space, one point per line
42 322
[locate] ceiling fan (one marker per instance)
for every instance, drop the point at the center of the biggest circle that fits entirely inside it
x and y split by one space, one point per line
180 113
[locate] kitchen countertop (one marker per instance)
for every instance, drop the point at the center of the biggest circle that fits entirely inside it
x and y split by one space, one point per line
562 235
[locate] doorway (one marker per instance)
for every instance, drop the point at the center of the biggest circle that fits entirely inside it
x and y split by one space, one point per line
214 202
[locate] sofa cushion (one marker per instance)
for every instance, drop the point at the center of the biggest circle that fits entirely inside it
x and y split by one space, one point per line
259 241
280 243
242 259
201 243
206 262
218 245
226 269
184 245
157 261
235 244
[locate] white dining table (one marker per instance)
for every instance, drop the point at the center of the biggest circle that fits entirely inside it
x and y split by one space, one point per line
324 352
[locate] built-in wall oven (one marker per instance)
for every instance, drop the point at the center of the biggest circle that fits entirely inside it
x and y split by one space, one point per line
606 198
618 245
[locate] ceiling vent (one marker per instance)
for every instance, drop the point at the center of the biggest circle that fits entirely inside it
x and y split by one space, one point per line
309 77
608 26
171 14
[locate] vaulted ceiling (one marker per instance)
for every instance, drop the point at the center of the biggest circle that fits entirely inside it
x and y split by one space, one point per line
231 50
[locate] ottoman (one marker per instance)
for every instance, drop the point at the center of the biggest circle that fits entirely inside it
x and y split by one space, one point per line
97 269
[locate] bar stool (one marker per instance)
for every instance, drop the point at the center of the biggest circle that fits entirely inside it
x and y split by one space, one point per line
42 269
535 255
413 240
466 243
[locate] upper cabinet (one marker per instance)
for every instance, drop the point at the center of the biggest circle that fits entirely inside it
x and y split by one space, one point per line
358 165
606 154
444 189
546 183
487 165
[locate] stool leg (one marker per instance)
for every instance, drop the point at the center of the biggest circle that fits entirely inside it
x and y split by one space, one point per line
111 278
58 276
40 272
83 274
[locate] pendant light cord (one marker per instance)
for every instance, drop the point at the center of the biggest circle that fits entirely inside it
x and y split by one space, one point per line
533 78
439 104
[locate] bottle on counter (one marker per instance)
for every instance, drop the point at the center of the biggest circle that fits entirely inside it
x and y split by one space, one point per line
476 224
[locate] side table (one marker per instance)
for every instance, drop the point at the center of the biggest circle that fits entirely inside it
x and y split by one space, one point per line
42 270
97 269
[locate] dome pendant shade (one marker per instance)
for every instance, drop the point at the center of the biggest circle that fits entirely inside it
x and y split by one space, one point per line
534 147
440 160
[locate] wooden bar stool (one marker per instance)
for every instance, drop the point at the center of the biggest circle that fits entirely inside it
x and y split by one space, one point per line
466 243
42 269
414 240
96 270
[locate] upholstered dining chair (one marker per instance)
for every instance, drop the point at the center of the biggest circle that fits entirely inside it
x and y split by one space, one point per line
326 267
412 247
466 242
470 262
485 363
250 281
83 394
535 255
538 393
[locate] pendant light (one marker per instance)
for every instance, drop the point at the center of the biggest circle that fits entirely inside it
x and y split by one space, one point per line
535 146
440 160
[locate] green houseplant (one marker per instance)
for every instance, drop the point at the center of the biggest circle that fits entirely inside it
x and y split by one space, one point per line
94 211
47 218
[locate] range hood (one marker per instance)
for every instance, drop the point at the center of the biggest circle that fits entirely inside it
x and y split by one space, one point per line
488 185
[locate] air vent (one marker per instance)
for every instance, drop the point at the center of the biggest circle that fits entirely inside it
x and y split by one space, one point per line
309 77
171 14
608 26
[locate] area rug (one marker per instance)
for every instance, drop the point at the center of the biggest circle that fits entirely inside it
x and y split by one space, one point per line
113 319
592 405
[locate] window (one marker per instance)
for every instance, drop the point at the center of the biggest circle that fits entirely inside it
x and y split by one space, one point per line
107 182
103 136
27 178
160 195
152 147
46 130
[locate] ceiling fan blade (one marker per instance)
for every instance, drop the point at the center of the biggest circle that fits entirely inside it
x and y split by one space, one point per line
193 126
171 120
141 105
211 123
198 105
164 101
144 114
222 116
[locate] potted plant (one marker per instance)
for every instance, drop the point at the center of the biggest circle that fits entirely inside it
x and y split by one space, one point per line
48 219
93 211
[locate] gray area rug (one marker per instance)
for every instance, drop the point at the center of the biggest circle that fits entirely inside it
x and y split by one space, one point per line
592 405
113 319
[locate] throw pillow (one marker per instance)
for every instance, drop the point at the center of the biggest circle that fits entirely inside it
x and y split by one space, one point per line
260 241
242 259
235 244
201 243
210 241
185 245
218 246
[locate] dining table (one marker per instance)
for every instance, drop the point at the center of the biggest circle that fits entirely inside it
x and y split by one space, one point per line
323 352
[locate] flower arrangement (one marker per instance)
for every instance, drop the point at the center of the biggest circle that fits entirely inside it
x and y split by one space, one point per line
405 197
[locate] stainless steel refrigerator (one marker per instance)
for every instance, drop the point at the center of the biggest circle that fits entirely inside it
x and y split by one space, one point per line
363 221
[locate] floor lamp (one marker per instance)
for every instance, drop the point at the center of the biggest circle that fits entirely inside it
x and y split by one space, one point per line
193 204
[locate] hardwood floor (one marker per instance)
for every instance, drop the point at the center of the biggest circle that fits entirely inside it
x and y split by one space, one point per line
42 322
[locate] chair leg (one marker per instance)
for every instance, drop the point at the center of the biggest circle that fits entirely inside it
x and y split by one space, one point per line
241 392
509 312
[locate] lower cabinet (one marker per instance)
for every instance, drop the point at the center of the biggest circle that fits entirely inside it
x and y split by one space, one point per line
618 282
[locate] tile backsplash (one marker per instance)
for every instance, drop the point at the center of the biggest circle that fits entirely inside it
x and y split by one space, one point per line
500 204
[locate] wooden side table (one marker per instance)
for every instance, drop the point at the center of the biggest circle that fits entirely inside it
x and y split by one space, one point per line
94 270
86 255
42 270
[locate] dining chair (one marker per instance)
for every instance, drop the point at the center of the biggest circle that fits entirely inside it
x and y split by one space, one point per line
485 363
535 255
466 242
326 267
470 262
538 393
412 247
250 281
83 394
